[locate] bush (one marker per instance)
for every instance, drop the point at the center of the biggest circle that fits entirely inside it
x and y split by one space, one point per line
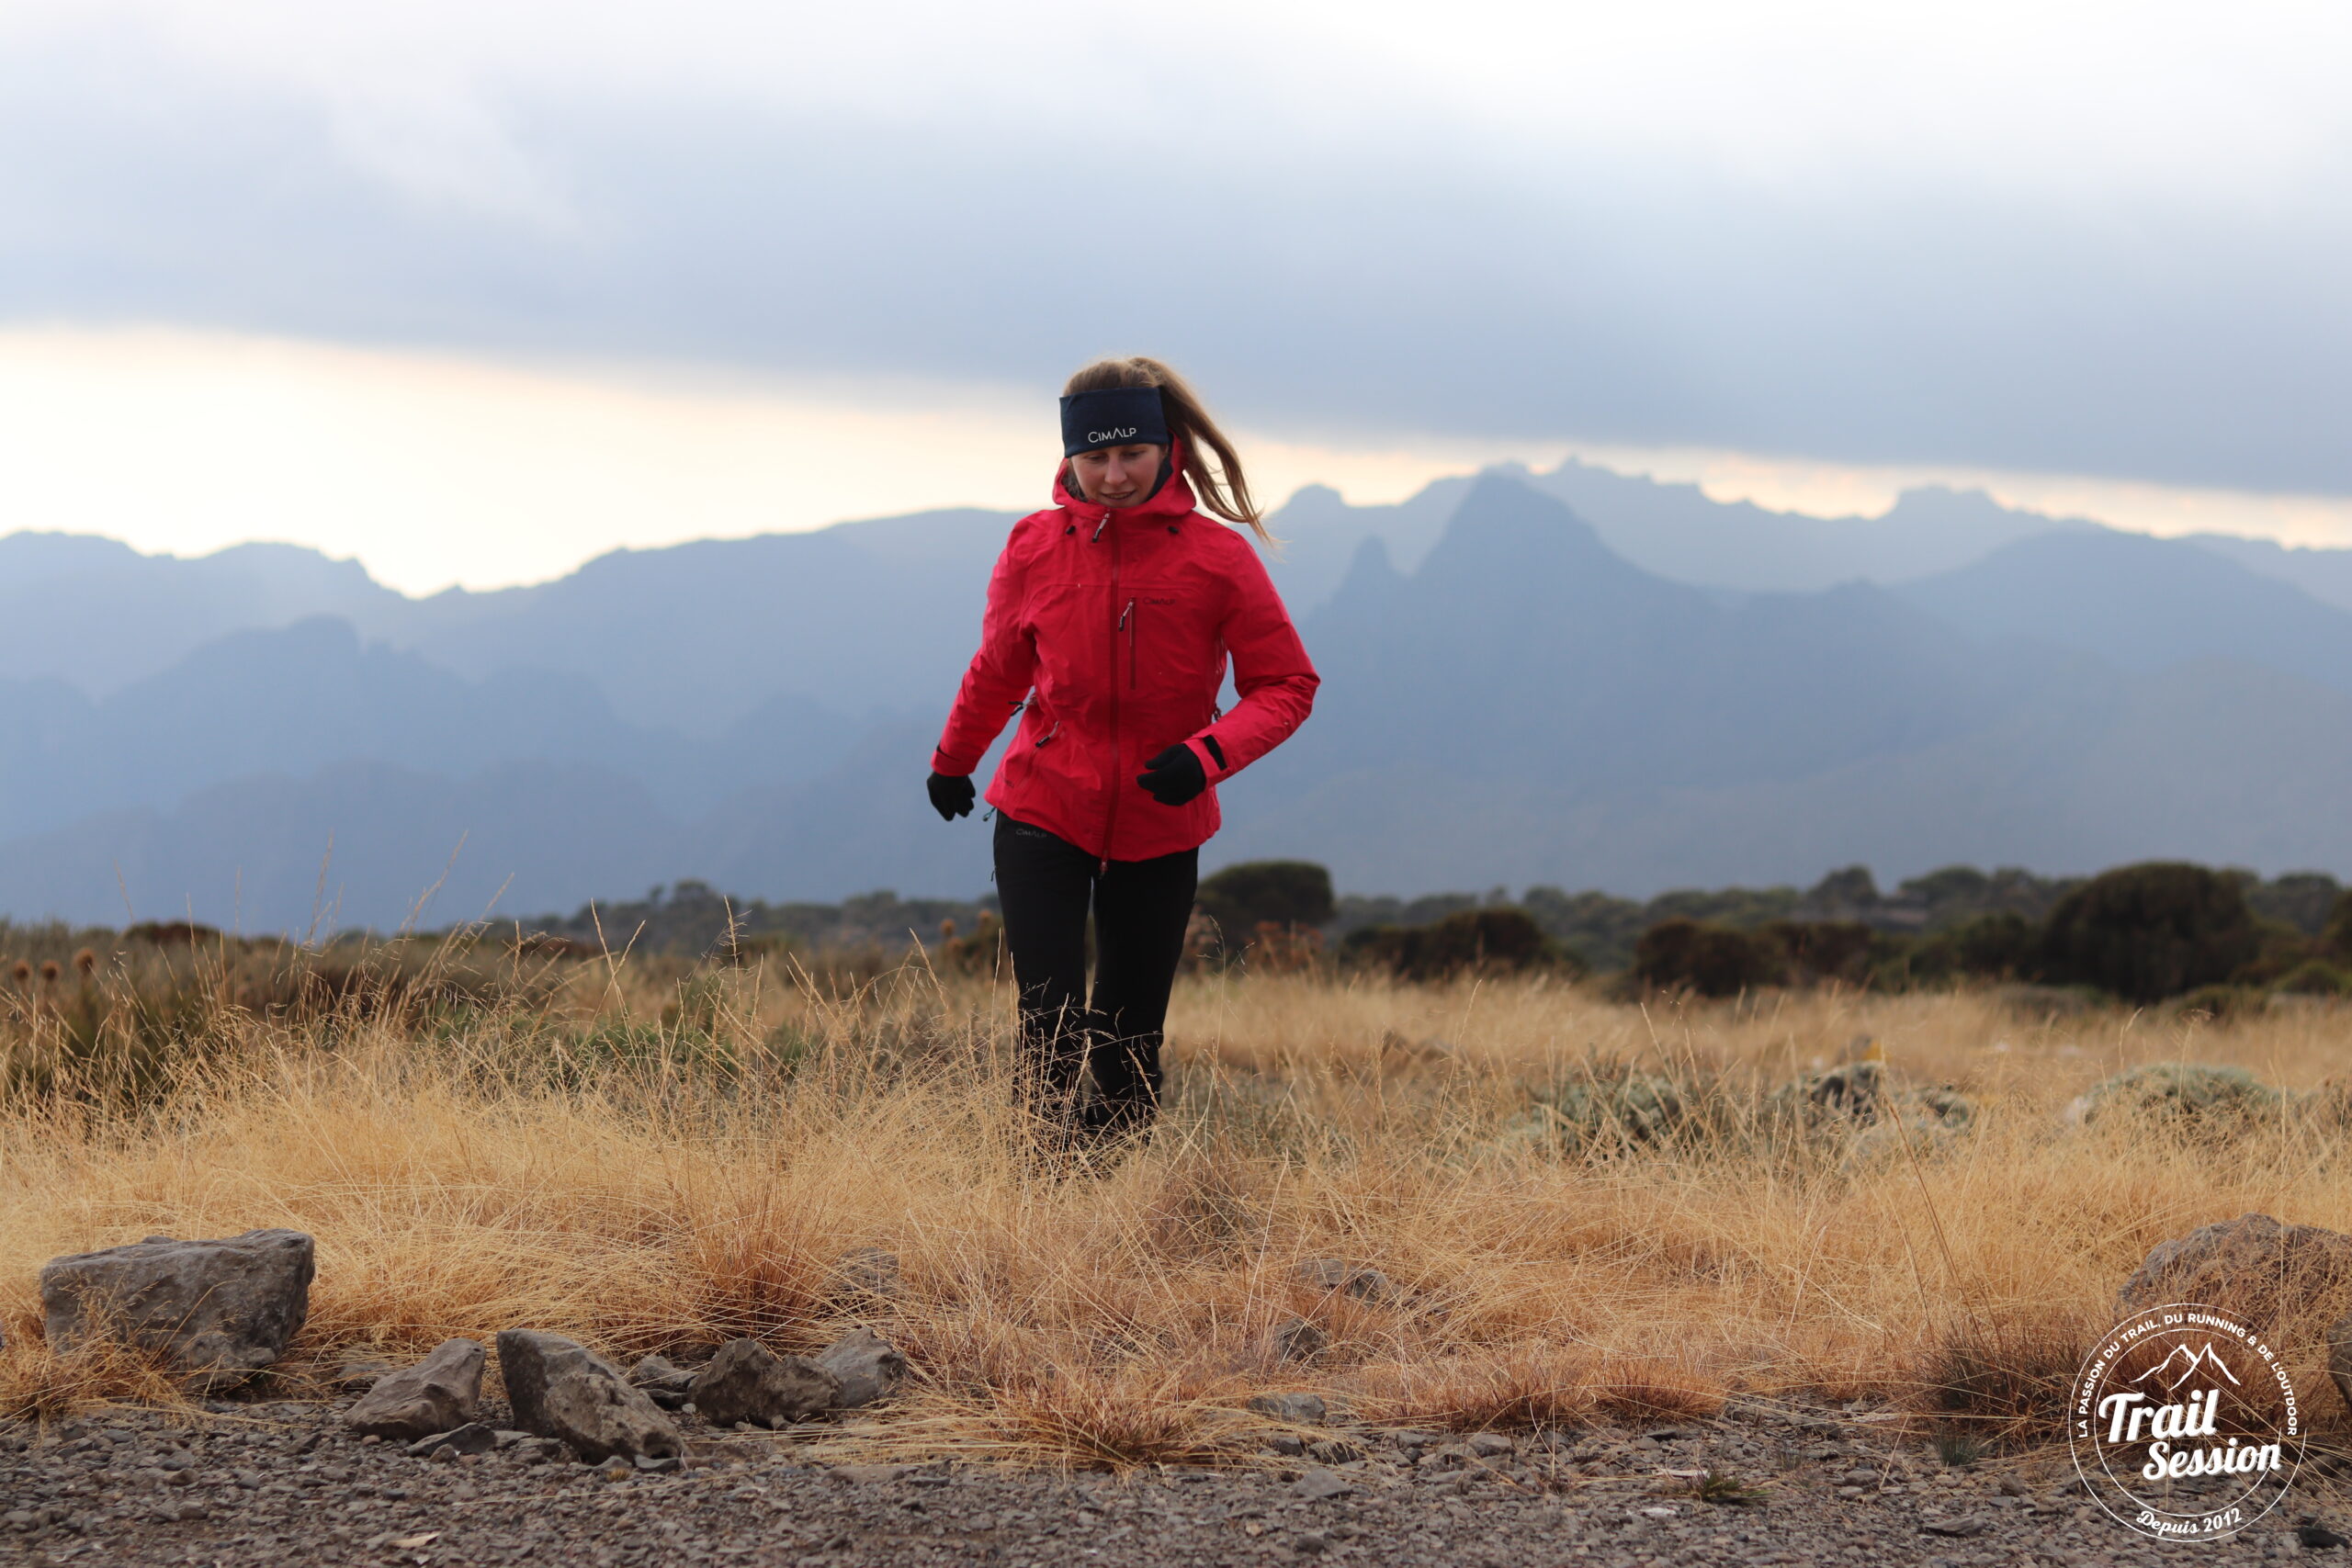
2338 938
1489 941
2179 1094
2149 932
2222 1002
1712 960
2316 979
1286 893
1826 950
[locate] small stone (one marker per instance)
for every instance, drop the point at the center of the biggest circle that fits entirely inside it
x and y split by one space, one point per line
1310 1543
1321 1486
668 1464
867 1474
747 1381
1858 1478
1299 1409
1334 1450
659 1372
188 1512
1488 1445
1295 1340
1287 1445
1331 1275
473 1438
359 1375
437 1394
1961 1527
865 1365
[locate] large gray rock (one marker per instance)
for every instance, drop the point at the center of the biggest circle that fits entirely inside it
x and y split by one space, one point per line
217 1311
560 1388
439 1393
747 1381
866 1365
2253 1266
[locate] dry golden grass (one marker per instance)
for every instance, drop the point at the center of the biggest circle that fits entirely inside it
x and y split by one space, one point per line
581 1165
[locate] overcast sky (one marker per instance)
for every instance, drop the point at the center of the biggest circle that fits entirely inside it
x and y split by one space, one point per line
2081 244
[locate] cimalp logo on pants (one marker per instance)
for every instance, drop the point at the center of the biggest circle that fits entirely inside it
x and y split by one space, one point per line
2184 1423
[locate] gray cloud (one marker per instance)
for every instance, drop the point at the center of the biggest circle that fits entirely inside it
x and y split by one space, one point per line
1420 279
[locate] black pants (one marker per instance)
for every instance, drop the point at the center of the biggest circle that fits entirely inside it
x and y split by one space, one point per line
1044 883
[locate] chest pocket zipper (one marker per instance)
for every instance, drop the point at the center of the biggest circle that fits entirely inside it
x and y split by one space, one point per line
1127 624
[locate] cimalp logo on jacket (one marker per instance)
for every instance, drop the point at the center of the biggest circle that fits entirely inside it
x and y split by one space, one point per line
2183 1425
1112 434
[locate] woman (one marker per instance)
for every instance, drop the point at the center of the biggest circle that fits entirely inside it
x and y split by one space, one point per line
1111 616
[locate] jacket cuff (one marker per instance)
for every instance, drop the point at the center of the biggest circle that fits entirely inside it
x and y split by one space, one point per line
1212 755
940 763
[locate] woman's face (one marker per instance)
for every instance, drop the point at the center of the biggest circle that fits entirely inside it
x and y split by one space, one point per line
1118 476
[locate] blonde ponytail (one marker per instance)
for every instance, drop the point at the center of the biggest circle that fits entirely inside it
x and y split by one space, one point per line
1223 489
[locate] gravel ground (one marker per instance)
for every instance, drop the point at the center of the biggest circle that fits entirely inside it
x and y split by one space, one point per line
284 1484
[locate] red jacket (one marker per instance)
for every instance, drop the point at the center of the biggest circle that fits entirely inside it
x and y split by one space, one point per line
1115 626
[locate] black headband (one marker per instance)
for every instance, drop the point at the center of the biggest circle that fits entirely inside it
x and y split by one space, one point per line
1116 416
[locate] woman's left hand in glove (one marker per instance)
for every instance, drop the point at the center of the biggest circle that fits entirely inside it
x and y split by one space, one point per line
1174 776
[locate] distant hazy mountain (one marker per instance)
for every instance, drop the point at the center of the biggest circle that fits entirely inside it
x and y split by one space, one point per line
98 615
2324 574
1675 531
1509 698
2141 604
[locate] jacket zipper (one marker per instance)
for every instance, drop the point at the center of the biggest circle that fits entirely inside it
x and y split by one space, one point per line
1127 618
1111 817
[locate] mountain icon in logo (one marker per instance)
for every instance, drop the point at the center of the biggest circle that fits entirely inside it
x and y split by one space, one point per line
2186 1360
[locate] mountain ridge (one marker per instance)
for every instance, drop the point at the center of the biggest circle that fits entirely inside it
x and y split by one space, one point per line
1511 700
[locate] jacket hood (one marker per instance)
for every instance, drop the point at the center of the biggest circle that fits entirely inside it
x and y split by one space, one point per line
1172 500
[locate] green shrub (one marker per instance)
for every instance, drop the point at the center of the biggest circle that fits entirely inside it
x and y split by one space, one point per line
2338 938
2149 932
1630 1107
1706 958
2182 1094
2316 979
1489 941
2219 1002
1815 950
1289 894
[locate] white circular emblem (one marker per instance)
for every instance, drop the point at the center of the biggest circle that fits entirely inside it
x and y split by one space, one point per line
2184 1424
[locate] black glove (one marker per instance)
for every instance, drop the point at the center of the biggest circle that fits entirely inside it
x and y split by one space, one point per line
1174 776
951 796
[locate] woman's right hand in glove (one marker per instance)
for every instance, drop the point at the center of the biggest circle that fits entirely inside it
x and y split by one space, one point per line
951 796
